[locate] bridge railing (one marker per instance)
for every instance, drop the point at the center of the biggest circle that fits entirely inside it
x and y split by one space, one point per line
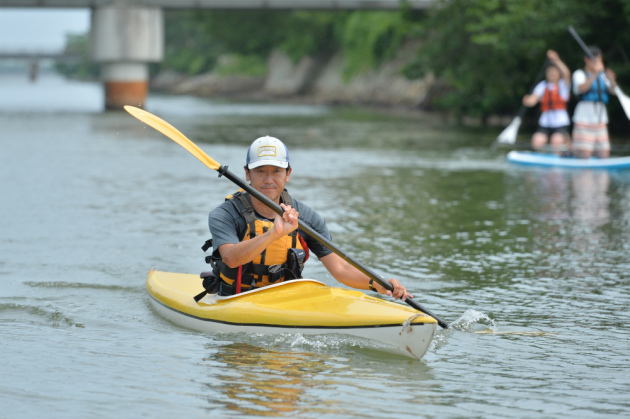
32 54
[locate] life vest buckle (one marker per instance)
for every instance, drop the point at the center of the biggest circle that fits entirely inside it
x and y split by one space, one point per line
275 273
207 245
295 261
210 285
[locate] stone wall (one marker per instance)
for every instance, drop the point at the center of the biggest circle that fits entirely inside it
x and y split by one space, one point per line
312 80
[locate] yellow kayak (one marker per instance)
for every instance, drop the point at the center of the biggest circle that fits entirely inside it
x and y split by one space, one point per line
301 306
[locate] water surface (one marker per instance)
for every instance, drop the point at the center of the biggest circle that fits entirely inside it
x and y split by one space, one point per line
90 201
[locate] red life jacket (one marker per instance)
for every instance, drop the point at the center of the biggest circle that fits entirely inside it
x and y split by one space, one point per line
551 99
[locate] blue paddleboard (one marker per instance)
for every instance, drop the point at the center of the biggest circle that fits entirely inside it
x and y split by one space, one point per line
550 160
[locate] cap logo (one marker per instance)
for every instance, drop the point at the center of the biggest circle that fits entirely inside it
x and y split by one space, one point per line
267 150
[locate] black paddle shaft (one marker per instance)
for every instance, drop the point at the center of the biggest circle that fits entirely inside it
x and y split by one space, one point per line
582 44
539 76
223 171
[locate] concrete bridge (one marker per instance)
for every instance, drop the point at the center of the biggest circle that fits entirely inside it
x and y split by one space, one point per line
35 56
126 35
32 54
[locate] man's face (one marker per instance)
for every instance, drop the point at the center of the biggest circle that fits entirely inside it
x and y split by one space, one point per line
552 74
269 180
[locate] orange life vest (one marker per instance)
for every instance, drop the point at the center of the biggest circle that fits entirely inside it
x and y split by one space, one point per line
551 99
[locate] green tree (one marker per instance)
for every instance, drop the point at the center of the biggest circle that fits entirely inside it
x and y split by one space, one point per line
81 67
369 38
195 40
487 52
188 48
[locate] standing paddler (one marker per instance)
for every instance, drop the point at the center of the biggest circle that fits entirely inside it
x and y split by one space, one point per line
553 95
593 85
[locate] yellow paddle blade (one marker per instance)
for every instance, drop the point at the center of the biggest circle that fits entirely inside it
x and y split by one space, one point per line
172 133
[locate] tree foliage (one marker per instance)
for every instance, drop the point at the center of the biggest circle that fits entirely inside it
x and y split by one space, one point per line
188 48
253 33
485 53
369 38
82 67
488 52
366 38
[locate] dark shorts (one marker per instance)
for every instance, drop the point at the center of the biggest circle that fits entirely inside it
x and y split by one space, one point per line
550 131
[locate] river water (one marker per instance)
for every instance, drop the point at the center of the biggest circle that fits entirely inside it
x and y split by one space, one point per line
530 266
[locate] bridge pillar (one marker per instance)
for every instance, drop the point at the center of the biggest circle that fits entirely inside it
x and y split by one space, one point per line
33 70
124 39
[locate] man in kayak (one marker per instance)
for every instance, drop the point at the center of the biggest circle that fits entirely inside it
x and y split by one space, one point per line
553 95
593 85
254 247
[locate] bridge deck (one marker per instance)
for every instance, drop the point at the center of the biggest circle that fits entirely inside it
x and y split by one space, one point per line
38 55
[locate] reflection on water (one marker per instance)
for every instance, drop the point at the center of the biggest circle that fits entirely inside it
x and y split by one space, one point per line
257 381
573 213
579 195
591 201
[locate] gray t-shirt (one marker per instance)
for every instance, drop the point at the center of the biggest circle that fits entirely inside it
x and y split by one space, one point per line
228 226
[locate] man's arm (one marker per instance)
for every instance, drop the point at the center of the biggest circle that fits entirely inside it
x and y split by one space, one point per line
564 70
533 98
348 275
530 100
612 79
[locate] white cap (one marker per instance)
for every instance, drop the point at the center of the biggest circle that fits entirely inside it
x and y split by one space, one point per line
267 151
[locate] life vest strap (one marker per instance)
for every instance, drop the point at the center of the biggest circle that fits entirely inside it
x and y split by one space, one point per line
304 246
227 289
246 210
210 285
238 280
207 245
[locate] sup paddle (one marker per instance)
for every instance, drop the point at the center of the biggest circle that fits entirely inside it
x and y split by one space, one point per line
172 133
508 135
623 99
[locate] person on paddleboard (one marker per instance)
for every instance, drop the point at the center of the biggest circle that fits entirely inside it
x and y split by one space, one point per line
553 95
254 247
593 85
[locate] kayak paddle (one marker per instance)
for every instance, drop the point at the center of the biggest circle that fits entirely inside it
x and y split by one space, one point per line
175 135
508 135
623 99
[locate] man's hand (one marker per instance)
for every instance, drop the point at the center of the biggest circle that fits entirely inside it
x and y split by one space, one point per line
287 222
598 64
530 100
611 77
398 292
553 56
